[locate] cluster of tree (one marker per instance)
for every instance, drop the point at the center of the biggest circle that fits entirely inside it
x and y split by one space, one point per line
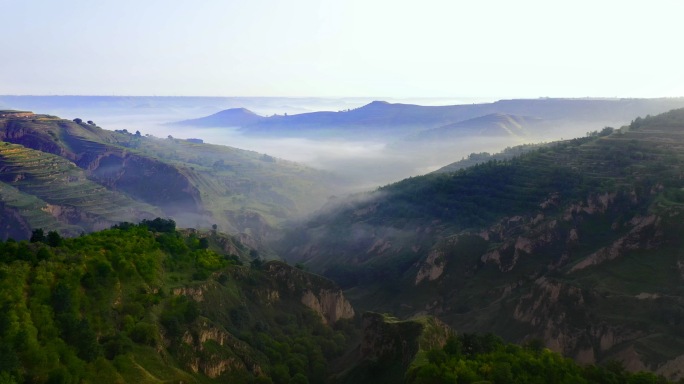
470 358
104 307
52 238
480 194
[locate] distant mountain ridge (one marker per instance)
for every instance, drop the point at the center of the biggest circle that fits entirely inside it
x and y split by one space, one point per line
407 119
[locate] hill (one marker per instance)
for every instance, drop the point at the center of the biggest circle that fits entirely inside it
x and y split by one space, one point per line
483 157
378 119
234 117
151 304
577 243
74 176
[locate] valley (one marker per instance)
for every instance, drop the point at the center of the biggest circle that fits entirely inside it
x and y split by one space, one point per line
341 192
568 247
575 243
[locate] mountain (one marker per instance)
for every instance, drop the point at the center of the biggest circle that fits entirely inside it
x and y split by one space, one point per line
73 176
379 118
234 117
577 243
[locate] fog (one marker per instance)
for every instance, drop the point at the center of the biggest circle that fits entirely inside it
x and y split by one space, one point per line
363 164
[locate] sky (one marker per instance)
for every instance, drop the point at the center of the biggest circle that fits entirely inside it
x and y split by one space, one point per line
343 48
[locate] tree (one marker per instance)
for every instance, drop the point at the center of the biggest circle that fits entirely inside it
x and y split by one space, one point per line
90 122
78 121
38 236
160 225
54 239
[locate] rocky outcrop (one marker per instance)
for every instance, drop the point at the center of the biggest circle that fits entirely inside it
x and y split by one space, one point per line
559 314
235 356
196 293
672 369
432 268
329 304
316 292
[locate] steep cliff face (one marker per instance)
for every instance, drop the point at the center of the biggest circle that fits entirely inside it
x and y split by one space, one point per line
316 292
234 354
252 301
330 305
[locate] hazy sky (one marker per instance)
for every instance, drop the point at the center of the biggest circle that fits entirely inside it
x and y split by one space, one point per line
391 48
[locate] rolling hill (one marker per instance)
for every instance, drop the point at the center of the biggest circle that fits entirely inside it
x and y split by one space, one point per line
577 243
234 117
74 176
567 117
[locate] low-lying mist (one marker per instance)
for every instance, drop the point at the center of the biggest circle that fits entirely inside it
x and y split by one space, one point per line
363 162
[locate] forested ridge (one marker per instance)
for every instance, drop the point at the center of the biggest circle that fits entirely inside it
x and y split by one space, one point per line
150 303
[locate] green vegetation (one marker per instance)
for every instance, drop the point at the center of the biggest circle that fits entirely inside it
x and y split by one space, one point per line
149 303
483 157
471 358
577 243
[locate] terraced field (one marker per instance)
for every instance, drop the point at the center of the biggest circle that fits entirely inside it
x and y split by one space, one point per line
32 210
33 179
